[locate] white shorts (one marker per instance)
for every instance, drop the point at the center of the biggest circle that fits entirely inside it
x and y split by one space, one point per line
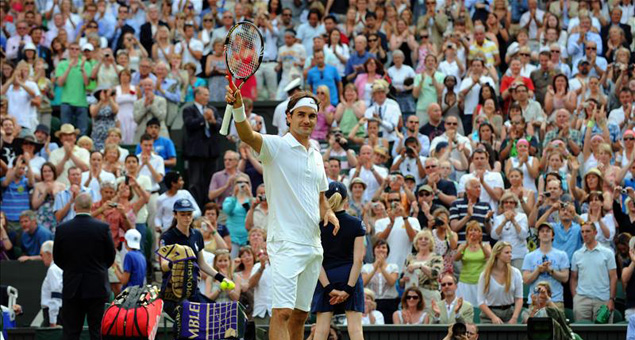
295 272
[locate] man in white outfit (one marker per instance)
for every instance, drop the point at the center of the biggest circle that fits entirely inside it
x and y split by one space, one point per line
295 182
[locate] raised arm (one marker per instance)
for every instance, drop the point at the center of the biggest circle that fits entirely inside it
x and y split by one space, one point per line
245 132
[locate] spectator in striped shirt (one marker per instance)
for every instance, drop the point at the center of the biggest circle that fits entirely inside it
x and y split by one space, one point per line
470 208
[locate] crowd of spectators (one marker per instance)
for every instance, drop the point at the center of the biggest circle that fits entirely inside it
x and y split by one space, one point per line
488 145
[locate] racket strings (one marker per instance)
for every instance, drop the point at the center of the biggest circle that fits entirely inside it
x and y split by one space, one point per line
243 49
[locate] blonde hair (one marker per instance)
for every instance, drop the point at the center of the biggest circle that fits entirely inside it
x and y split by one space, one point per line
336 202
85 140
224 253
327 94
111 147
605 147
487 272
424 233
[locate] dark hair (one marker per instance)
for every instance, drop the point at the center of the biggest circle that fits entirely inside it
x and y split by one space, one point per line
381 242
242 250
370 15
131 156
170 178
491 153
277 10
53 168
481 100
328 38
553 82
337 160
330 16
211 206
315 11
380 66
146 137
420 304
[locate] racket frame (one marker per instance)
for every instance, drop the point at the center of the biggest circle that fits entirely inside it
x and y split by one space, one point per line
228 109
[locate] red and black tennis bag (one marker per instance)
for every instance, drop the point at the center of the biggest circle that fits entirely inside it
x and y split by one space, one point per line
134 314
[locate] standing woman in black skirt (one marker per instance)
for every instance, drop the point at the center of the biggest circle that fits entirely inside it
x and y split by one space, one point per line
340 288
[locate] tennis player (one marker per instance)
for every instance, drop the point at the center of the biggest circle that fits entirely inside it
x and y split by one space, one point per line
295 183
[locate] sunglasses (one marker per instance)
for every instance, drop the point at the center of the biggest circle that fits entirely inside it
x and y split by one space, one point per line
509 202
372 40
630 139
451 123
424 37
555 51
524 54
446 284
242 182
92 26
321 92
412 297
394 200
431 166
425 194
207 20
591 48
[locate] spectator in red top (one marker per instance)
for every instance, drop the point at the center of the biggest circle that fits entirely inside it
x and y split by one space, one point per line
109 211
515 66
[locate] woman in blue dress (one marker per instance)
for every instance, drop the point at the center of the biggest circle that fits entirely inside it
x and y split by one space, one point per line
340 288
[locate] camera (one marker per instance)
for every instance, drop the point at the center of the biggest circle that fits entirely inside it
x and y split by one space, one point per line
438 222
262 198
547 194
624 191
565 205
394 205
113 204
410 152
127 181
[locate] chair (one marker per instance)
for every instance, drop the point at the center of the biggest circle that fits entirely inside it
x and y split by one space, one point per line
568 312
617 316
477 315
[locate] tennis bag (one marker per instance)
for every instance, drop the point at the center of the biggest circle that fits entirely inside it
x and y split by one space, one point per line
210 321
134 314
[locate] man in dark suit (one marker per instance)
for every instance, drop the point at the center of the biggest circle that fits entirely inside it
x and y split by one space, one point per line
84 250
121 28
148 30
616 16
202 124
41 51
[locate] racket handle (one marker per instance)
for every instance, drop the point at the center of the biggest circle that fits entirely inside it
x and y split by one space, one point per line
224 129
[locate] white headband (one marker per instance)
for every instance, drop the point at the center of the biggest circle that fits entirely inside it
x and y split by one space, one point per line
306 101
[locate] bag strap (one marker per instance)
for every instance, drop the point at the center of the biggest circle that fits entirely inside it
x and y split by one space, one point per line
114 320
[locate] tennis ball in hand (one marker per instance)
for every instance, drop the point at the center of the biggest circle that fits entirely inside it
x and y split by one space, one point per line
227 284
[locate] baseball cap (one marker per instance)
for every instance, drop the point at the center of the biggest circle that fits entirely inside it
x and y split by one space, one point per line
425 188
183 204
88 46
133 238
335 187
43 128
410 177
545 224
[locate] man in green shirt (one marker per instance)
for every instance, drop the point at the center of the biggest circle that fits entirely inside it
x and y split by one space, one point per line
73 76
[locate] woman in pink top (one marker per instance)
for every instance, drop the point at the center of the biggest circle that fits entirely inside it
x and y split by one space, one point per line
326 114
373 70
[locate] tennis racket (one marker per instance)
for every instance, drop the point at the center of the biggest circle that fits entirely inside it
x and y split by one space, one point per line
244 48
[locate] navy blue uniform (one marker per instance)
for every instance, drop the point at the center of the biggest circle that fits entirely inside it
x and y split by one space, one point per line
338 261
194 241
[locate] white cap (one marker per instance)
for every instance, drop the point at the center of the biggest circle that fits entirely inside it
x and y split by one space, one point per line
88 46
293 84
29 46
133 239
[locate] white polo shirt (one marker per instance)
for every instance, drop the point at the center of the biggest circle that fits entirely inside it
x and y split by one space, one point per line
95 185
294 178
157 163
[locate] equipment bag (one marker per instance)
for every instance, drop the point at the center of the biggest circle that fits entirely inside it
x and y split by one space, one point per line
210 321
134 314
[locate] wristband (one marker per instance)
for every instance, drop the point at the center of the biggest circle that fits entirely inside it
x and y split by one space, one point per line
239 114
328 288
219 277
590 124
348 289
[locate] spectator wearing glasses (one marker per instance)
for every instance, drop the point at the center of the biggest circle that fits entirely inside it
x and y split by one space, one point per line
581 35
412 130
626 157
236 207
557 60
597 63
593 277
451 309
17 42
412 309
323 75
